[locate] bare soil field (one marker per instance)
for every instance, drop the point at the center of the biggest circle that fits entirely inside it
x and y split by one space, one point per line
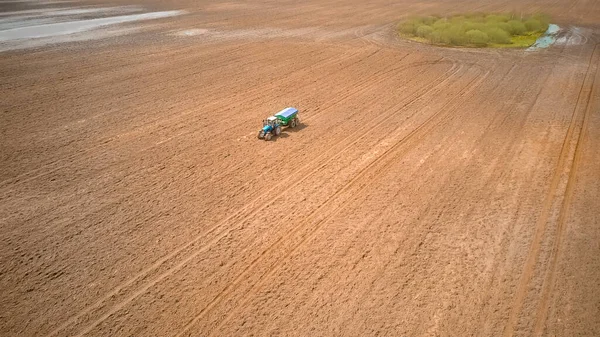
428 192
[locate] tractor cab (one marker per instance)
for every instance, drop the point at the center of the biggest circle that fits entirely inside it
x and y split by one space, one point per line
271 121
271 126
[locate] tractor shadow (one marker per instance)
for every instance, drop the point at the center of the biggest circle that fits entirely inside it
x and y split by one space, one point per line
286 131
281 135
298 127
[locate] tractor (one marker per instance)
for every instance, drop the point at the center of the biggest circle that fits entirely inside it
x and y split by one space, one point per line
272 125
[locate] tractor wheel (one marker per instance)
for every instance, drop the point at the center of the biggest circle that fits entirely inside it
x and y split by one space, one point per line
268 136
277 131
260 135
293 123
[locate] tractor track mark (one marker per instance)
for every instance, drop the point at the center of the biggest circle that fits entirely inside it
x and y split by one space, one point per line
349 94
160 262
573 5
508 152
16 180
439 193
189 132
81 155
360 35
542 223
381 30
257 91
158 84
400 68
171 83
196 239
363 87
415 133
101 65
548 285
340 190
196 130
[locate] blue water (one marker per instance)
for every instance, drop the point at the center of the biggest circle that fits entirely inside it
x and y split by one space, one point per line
547 39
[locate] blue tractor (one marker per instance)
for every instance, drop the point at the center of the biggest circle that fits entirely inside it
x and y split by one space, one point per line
271 127
287 117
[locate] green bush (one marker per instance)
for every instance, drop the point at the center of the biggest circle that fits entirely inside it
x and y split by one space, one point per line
458 19
504 26
430 20
475 26
407 28
497 35
456 35
476 29
424 31
477 37
533 25
438 38
517 27
441 24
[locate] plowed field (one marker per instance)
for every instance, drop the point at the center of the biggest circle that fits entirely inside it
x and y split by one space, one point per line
428 191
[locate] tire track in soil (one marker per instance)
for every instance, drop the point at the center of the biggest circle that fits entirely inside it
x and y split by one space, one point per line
257 202
507 152
358 89
500 120
383 32
123 197
504 243
104 142
81 155
361 35
114 293
404 67
90 150
321 64
241 164
370 81
548 285
573 5
325 206
551 198
271 270
440 193
159 85
296 181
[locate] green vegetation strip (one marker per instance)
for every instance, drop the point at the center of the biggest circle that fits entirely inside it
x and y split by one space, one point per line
476 30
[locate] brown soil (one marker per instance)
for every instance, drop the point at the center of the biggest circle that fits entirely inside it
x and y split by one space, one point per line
428 191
